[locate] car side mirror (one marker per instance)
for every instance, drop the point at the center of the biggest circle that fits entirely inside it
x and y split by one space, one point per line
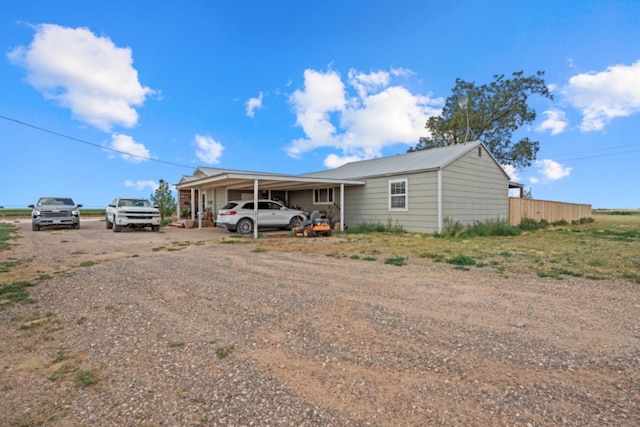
79 206
31 206
112 205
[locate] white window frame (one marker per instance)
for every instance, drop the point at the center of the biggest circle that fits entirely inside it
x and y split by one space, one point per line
405 195
330 191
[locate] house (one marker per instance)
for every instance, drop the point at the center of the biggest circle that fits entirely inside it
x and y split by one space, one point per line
418 191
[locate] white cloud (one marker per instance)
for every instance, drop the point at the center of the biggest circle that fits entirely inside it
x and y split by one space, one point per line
208 150
605 95
359 119
142 184
253 104
513 172
552 170
86 73
128 149
333 161
555 122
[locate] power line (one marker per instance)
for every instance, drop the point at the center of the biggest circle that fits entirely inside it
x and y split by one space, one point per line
62 135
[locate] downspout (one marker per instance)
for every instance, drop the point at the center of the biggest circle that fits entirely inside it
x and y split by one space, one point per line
439 200
255 208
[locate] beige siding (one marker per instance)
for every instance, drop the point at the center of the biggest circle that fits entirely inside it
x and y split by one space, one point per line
370 203
474 189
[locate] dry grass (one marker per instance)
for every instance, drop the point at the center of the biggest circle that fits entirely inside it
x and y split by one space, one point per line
607 248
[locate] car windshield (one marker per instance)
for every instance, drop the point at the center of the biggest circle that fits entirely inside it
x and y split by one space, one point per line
55 201
134 202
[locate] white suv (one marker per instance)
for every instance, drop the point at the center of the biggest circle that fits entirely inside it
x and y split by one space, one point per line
238 216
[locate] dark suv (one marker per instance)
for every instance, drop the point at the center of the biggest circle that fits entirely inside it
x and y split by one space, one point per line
55 211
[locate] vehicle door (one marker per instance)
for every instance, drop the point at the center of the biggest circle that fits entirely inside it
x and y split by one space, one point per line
269 214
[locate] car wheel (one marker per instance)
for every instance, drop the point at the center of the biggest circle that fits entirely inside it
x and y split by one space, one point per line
75 226
295 222
35 227
109 223
117 228
155 228
245 226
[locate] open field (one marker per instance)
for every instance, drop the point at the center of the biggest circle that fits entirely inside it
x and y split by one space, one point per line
200 327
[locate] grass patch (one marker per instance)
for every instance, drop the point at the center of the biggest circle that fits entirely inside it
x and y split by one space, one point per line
14 293
7 233
461 260
85 379
87 264
258 250
398 261
225 351
6 266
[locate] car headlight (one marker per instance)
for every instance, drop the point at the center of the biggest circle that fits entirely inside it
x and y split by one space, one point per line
75 212
35 213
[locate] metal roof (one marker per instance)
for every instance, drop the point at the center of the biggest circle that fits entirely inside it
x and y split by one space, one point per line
416 161
347 174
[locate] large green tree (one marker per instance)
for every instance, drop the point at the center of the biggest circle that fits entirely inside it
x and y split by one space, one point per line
164 200
495 111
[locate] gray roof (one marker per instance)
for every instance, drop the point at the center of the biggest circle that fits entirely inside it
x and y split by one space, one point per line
432 159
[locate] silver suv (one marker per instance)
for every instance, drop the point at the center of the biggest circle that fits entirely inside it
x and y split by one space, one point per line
55 211
238 216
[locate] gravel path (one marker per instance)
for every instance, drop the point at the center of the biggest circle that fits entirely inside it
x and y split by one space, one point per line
179 330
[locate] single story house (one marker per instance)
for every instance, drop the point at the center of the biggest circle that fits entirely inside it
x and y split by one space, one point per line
418 191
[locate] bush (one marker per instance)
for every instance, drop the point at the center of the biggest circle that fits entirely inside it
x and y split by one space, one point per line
491 228
528 224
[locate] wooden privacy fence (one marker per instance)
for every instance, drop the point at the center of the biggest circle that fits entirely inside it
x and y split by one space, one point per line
538 210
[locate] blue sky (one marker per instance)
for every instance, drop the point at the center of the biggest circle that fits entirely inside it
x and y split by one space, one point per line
294 87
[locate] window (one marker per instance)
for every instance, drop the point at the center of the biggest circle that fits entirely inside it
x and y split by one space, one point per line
398 195
322 195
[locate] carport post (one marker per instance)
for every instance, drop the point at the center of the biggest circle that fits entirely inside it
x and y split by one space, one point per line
342 207
255 208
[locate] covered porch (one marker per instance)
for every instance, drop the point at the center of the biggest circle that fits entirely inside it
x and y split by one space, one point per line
199 197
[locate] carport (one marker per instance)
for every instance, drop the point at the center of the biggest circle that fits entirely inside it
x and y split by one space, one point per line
255 182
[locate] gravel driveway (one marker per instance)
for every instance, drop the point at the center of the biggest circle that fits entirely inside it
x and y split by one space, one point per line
178 329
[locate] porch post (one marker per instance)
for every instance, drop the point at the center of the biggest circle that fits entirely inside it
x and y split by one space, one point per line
255 208
193 203
342 207
439 200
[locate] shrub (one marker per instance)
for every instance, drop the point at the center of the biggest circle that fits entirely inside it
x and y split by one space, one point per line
491 228
528 224
376 227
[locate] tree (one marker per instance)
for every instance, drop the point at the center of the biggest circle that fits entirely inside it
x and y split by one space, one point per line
494 111
164 200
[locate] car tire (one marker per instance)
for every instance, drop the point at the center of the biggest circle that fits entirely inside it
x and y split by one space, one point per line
295 222
155 228
35 227
108 223
117 228
245 226
75 226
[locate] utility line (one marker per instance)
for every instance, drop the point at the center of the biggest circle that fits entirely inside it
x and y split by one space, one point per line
62 135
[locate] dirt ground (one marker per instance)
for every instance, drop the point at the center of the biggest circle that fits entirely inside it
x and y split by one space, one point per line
184 328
